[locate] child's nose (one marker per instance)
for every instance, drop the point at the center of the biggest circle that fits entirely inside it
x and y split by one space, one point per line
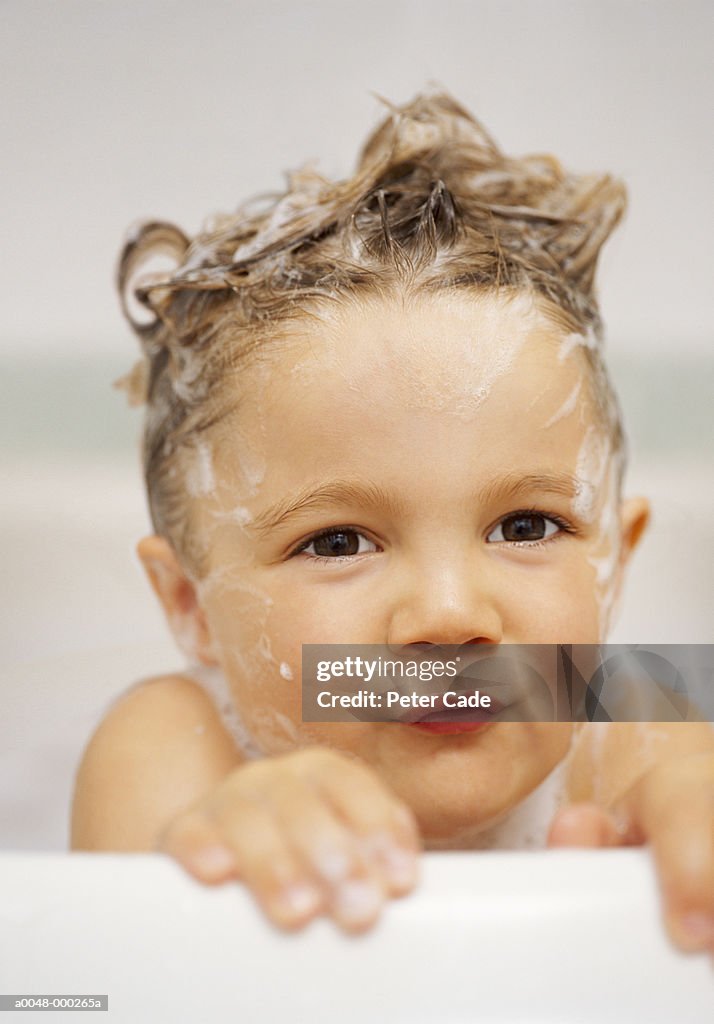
452 605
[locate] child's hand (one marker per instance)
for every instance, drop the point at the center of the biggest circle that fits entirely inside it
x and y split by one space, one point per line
309 832
672 807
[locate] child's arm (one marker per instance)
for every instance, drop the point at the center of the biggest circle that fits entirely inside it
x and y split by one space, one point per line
634 783
310 832
160 748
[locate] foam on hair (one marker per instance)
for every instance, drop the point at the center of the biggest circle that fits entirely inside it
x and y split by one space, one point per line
433 204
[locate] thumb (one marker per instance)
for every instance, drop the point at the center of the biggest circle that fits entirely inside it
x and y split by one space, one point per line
583 824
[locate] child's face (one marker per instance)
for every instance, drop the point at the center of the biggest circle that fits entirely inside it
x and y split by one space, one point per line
413 433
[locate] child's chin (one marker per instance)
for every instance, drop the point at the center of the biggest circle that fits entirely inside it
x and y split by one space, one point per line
450 815
452 832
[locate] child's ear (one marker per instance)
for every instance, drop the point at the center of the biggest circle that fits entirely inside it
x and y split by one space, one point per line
634 518
178 596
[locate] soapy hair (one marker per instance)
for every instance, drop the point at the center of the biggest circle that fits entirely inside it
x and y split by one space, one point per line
434 204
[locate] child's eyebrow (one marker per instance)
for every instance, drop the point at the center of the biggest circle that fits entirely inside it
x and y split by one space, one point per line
336 492
372 496
513 484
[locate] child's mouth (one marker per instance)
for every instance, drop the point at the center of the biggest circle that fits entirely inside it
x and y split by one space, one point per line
446 721
448 728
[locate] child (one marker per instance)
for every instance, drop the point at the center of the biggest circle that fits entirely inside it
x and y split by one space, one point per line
378 413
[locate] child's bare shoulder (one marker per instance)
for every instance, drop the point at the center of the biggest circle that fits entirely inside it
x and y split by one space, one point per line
159 749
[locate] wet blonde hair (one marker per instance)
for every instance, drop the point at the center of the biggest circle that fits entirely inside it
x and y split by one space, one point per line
434 204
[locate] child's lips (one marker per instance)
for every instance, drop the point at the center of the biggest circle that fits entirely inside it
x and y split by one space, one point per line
449 728
444 720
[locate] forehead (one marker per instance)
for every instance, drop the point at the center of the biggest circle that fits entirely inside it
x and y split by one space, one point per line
386 386
447 352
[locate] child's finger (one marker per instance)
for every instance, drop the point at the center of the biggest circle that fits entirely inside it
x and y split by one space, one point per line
673 809
249 846
268 865
385 828
194 841
583 825
353 889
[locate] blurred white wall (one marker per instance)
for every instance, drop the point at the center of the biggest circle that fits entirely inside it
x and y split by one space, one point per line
120 109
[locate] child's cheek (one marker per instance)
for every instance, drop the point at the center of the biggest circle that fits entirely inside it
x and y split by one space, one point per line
263 685
238 613
605 555
596 503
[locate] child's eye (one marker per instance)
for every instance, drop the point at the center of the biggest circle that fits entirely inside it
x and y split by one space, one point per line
528 526
339 542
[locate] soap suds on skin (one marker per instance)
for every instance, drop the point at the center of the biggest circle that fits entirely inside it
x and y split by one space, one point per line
280 735
252 468
606 563
214 683
250 658
228 578
576 340
264 647
566 408
279 732
590 468
200 478
240 514
432 379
